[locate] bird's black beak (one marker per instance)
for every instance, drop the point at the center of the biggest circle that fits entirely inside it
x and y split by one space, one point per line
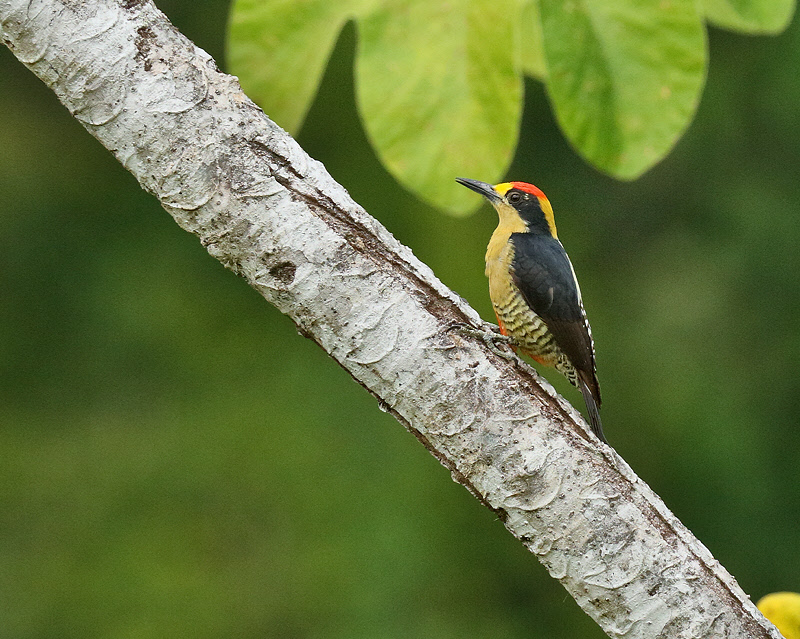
485 189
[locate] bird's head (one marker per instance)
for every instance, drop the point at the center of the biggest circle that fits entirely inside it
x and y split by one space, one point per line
517 200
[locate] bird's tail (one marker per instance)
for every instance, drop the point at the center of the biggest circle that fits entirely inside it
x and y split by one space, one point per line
592 407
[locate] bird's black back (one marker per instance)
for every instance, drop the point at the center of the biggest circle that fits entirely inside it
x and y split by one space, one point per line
543 273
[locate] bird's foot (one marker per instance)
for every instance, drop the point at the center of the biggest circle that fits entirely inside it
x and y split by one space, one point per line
490 335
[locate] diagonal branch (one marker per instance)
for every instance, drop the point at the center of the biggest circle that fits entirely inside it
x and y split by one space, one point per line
273 215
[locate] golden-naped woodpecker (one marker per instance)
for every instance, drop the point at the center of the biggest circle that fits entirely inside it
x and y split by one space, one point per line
534 290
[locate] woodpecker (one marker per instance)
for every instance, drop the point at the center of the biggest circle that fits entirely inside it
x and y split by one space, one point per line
534 291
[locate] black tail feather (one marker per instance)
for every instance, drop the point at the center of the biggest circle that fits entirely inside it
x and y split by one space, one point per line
593 409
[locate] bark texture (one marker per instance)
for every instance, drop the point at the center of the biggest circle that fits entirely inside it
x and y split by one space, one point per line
272 214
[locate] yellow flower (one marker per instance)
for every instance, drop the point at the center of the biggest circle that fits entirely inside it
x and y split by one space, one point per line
782 609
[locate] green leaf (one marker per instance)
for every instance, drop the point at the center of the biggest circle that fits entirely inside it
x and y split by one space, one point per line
280 48
531 41
750 16
624 77
440 94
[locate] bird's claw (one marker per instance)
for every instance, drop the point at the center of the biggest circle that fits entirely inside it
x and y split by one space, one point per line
491 336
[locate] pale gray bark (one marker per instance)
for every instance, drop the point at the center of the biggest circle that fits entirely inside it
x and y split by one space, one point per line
267 211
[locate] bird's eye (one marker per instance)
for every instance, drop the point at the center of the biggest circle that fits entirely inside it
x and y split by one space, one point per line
515 197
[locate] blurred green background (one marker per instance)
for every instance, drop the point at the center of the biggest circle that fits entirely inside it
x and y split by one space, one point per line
177 461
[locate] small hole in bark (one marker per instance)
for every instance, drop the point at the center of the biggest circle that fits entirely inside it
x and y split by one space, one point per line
283 272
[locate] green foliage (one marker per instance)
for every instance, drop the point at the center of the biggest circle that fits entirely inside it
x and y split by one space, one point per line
279 50
624 77
425 125
750 16
439 88
176 461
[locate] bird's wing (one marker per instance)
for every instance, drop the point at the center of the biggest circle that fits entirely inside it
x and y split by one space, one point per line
543 273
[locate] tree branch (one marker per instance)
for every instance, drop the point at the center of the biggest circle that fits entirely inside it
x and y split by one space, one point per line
273 215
